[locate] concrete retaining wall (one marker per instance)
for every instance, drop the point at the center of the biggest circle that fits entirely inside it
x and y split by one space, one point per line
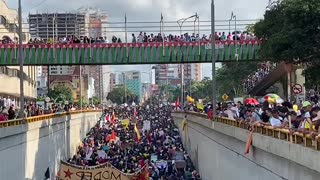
26 151
218 152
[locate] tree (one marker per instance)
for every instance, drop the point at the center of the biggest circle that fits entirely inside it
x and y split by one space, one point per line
117 95
60 93
172 92
94 100
230 77
202 89
290 32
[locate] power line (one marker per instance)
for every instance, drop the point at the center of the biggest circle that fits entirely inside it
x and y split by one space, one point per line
39 4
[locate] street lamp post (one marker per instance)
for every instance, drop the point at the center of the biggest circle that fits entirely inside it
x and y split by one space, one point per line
21 61
180 23
213 44
233 16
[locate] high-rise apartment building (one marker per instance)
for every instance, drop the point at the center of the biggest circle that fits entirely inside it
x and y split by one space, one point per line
95 22
56 25
9 75
171 73
132 81
84 22
112 81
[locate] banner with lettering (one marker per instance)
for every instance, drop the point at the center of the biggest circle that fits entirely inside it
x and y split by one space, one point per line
103 172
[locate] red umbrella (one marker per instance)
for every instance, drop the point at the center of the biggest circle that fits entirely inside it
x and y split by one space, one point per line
251 101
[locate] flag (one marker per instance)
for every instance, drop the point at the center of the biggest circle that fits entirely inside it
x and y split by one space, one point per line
177 103
248 144
210 115
184 124
135 113
137 131
113 118
107 118
144 174
47 174
200 106
125 123
190 99
161 17
232 15
113 136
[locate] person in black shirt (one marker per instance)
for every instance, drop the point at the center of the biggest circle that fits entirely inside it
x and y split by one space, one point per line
12 113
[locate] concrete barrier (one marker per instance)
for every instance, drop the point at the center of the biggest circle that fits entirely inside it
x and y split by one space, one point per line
217 149
27 150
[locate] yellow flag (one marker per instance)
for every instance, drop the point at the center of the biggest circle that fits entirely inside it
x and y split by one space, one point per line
137 131
190 99
184 124
200 106
125 123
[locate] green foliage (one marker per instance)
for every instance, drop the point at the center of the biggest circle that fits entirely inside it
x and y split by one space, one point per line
94 100
202 89
40 98
230 77
172 92
60 93
290 30
312 76
117 95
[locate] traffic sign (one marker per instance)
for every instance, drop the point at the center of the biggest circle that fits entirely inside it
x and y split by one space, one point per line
297 89
225 97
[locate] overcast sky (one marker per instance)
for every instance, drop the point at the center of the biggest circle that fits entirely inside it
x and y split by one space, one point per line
150 10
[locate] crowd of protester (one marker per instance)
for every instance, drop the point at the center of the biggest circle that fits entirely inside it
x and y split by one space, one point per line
142 37
252 80
305 116
9 109
138 137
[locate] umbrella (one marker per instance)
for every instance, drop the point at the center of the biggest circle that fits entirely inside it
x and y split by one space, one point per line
273 99
251 101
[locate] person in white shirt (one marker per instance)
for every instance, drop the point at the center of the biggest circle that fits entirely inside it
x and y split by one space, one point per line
229 112
276 120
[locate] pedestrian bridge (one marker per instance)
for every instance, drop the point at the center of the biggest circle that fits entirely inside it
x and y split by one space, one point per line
129 53
216 147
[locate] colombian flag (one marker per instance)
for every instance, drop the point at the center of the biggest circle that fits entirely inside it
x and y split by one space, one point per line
137 131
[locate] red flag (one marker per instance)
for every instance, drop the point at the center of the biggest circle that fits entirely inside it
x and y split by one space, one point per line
136 139
177 103
248 144
113 136
144 174
108 118
210 115
113 118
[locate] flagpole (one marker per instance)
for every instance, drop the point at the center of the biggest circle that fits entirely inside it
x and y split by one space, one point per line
162 28
126 34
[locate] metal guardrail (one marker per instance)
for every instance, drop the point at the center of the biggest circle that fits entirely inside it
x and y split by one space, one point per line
306 140
17 122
